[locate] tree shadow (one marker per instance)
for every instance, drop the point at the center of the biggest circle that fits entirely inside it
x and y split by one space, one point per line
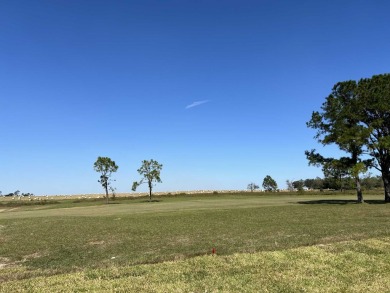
153 200
375 201
340 201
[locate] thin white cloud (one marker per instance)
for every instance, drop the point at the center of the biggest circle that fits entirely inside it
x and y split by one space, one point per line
197 103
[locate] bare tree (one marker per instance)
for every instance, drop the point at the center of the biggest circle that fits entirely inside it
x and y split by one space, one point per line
252 186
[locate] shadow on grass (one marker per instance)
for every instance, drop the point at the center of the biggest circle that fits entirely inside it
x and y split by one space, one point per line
340 201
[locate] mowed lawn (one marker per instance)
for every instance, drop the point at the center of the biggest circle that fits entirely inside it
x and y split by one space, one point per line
274 243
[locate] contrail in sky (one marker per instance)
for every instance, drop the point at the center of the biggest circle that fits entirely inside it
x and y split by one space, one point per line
197 103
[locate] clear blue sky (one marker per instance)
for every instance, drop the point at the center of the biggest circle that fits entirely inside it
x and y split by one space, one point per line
82 79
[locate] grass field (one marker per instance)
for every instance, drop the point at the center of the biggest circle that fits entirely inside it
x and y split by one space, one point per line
264 243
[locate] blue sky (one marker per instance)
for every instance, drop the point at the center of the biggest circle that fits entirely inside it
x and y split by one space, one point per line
217 91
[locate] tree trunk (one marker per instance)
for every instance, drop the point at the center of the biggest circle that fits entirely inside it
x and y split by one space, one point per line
106 188
385 170
150 190
359 190
386 183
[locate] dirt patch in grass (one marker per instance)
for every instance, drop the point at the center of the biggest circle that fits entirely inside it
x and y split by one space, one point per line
4 261
7 262
93 243
182 240
7 210
33 256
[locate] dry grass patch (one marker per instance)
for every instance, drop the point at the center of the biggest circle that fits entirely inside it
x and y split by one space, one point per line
4 261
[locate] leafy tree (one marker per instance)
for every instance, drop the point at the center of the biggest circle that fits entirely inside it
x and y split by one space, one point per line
338 123
17 194
150 170
337 172
269 184
316 183
356 117
370 182
1 194
374 116
298 184
252 186
105 166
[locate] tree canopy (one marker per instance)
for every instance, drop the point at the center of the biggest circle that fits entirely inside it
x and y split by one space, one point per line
150 170
374 116
356 118
337 123
105 166
269 184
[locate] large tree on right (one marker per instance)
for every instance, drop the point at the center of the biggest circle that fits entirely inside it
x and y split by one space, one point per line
356 117
338 123
374 114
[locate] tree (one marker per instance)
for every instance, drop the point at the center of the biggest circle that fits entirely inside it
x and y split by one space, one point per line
338 123
252 186
290 186
356 117
105 166
150 170
369 182
337 172
298 184
269 184
316 183
17 194
374 115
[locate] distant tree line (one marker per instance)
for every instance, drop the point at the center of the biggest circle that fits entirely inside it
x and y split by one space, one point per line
368 182
335 183
17 193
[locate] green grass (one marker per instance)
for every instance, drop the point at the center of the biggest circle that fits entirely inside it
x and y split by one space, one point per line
354 266
106 245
